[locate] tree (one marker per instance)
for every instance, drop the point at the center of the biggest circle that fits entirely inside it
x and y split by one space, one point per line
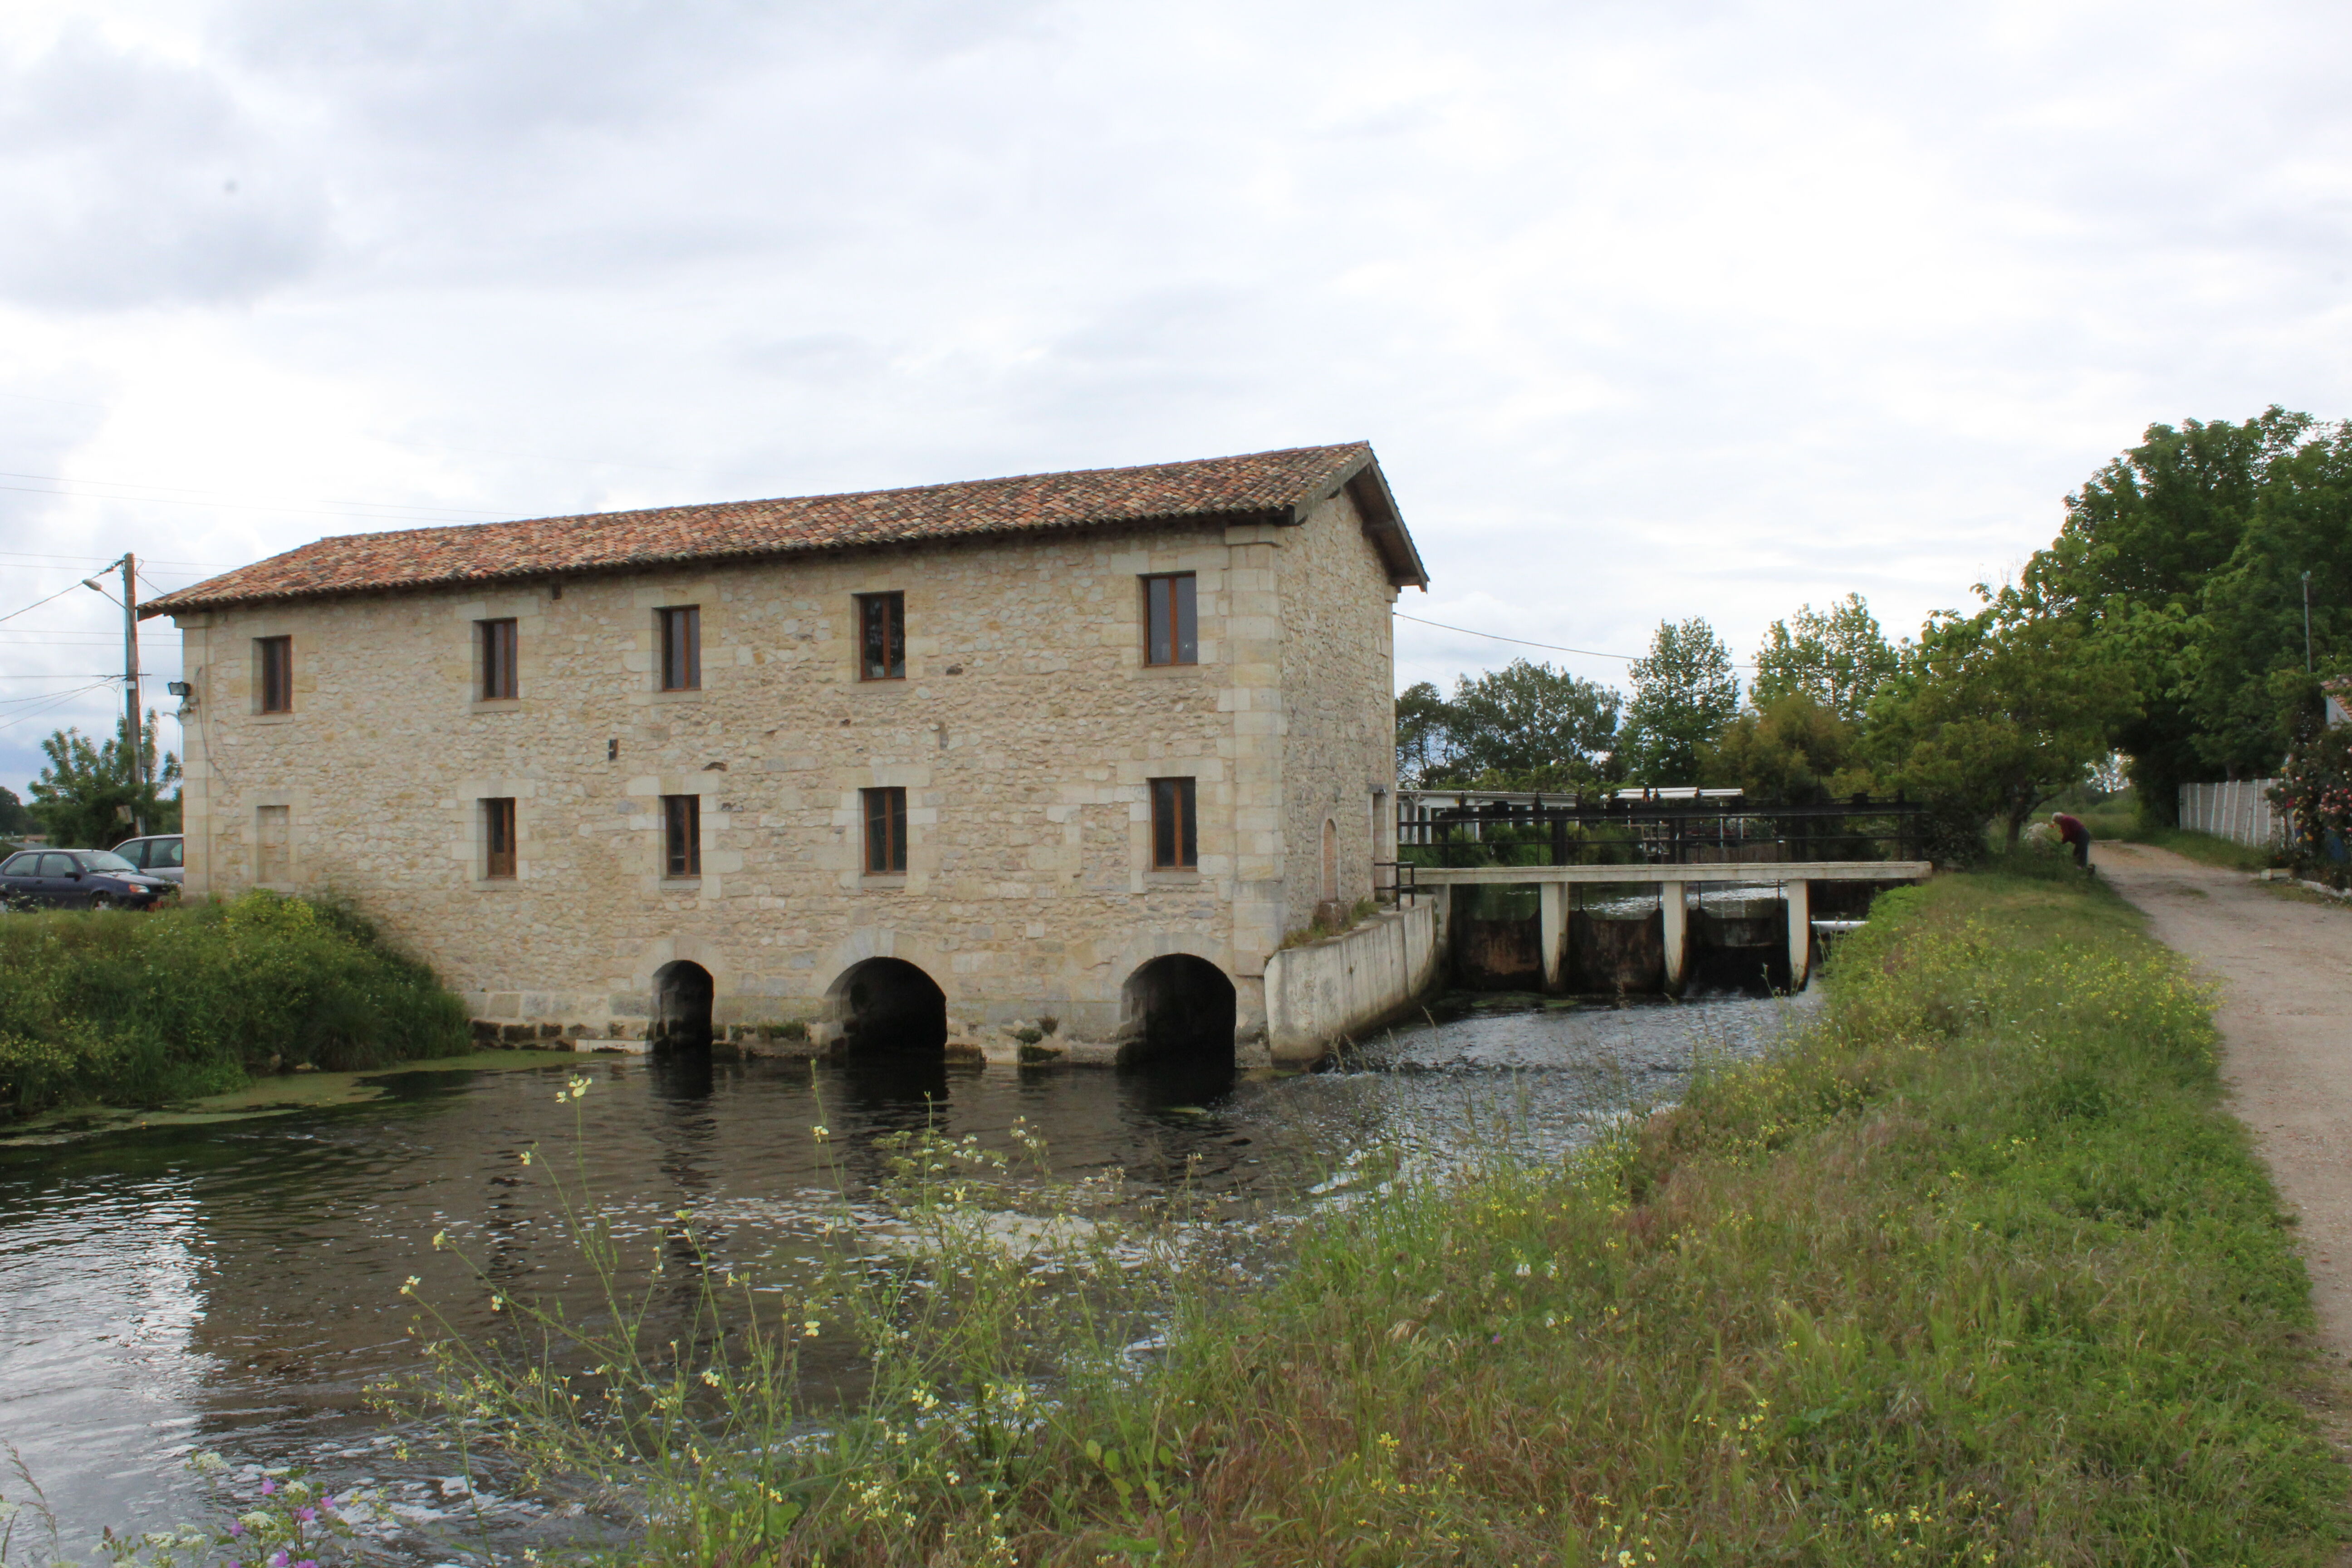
1526 726
1991 714
88 798
1794 748
1837 659
15 820
1424 734
1684 695
2141 541
1533 723
2244 681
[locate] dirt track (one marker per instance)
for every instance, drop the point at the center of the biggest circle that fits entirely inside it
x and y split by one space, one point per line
2285 965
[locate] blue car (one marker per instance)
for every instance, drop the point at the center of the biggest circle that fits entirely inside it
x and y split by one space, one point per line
84 878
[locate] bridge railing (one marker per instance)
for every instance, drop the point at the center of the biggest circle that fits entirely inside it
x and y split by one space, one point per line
1686 831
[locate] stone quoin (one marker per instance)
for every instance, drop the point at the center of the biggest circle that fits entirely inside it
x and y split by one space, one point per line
923 764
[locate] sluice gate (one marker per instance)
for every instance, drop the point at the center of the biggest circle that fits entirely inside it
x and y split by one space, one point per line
1643 894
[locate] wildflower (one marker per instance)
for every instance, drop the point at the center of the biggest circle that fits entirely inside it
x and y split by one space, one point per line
526 1156
306 1515
820 1133
440 1240
409 1287
808 1330
268 1487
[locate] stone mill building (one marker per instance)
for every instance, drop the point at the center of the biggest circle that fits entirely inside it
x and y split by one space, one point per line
902 766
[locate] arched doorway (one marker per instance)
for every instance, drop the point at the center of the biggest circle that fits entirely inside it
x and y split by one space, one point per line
682 993
1180 1008
1331 861
889 1005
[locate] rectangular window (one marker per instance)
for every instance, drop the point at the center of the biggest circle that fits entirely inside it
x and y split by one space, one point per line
1175 838
276 657
273 857
681 647
681 834
886 831
498 832
881 636
498 660
1172 625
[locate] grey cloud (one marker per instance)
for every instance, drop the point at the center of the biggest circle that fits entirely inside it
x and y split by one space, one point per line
130 182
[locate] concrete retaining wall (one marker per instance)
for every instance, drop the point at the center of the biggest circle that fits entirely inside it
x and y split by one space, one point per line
1317 993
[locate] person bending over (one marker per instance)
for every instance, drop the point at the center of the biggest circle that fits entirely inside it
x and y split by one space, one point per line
2072 831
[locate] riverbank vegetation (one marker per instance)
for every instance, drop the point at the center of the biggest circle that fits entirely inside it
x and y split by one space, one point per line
1975 1269
121 1008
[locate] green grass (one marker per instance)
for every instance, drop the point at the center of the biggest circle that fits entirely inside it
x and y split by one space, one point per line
146 1009
1976 1270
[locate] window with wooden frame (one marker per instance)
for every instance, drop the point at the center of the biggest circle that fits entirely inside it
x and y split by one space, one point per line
1171 620
886 832
274 661
499 835
881 636
498 644
681 834
1175 833
680 629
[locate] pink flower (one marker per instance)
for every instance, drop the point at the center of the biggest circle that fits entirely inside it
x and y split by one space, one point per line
306 1515
267 1487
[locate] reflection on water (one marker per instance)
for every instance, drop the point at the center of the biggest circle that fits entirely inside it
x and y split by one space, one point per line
235 1287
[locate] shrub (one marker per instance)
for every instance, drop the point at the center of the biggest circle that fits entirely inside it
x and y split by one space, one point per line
145 1009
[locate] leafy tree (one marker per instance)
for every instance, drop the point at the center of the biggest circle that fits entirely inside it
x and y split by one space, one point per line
2246 683
1794 748
1526 726
1425 733
1991 714
15 820
1684 695
2141 541
86 796
1837 659
1531 721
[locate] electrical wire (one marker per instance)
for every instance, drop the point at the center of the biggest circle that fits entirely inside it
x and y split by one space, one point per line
38 603
1526 642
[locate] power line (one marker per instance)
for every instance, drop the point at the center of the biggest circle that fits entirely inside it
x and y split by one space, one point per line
99 560
1524 642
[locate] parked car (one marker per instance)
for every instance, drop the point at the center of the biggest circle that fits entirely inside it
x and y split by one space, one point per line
165 856
90 878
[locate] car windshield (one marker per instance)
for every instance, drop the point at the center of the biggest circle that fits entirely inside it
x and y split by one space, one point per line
105 860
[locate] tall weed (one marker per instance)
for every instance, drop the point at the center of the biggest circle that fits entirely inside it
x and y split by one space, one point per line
148 1008
1974 1271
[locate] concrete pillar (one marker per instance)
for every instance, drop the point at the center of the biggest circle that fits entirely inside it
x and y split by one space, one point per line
1801 933
1551 925
1675 909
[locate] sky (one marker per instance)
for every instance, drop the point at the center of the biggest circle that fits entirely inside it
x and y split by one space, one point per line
1650 310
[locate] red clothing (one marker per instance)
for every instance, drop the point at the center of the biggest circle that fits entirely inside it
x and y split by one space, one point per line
2069 830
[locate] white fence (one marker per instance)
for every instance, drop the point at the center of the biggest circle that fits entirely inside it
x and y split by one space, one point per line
2241 812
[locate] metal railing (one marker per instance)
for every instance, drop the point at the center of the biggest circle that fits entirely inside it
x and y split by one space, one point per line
1534 830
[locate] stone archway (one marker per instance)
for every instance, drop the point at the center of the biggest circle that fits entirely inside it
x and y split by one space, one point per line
889 1004
1180 1008
682 995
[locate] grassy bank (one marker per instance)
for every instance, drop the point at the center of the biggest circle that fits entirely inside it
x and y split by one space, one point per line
120 1009
1974 1271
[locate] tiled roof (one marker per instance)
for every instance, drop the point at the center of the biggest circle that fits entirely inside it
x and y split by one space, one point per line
1273 486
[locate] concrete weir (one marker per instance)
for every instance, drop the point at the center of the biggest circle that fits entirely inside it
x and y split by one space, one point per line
1583 942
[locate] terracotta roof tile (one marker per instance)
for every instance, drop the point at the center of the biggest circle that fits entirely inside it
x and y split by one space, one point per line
1280 485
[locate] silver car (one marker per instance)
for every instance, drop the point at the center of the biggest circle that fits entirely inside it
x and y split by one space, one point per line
165 856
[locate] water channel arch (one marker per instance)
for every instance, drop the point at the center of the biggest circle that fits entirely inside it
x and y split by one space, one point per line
1178 1007
889 1004
682 993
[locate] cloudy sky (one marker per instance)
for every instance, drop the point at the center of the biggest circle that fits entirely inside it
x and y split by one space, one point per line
1651 309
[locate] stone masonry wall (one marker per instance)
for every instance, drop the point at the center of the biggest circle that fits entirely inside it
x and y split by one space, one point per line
1024 733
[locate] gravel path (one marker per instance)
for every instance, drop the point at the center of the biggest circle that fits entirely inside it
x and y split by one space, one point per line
2283 961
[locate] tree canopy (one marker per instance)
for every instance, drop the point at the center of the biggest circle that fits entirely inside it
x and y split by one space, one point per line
1525 726
1837 659
1684 694
88 798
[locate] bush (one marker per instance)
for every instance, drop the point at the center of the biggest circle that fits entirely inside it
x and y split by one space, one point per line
146 1009
2315 789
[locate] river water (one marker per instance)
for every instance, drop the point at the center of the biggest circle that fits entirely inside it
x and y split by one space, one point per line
234 1286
